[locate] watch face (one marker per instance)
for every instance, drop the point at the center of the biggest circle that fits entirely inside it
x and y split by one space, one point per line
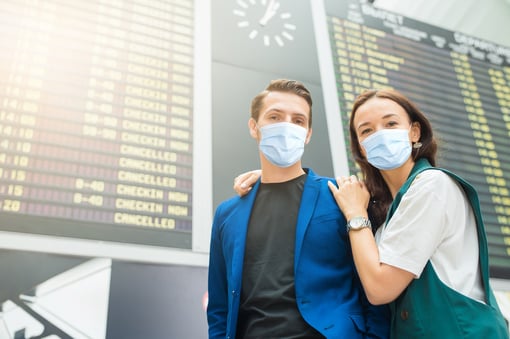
265 21
357 223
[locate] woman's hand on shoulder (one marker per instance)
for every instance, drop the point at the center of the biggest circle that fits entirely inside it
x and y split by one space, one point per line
351 196
244 182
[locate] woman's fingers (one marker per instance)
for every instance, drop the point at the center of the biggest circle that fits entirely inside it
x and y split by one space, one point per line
244 182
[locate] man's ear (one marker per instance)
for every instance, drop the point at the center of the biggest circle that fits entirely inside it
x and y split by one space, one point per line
252 126
308 136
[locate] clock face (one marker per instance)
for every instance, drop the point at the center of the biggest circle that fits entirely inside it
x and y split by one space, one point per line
265 21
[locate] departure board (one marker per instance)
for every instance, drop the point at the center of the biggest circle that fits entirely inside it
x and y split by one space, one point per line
460 82
96 119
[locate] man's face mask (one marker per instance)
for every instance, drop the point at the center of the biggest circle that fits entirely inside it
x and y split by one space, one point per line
282 143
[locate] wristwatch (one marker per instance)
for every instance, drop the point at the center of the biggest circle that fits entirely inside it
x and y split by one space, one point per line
358 223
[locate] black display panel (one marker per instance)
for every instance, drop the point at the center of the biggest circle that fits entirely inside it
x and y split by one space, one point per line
462 84
96 119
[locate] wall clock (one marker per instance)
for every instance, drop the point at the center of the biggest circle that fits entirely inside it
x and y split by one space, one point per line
265 21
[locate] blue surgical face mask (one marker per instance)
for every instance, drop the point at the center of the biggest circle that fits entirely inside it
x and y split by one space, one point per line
388 149
282 143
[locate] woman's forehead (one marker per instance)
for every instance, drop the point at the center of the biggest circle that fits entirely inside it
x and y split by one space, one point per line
379 108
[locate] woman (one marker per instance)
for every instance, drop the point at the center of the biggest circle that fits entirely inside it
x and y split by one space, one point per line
430 259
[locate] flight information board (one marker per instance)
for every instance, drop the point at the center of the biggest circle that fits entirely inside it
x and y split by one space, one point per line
460 82
96 119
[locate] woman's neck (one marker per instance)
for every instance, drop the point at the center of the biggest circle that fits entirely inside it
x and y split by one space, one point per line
397 177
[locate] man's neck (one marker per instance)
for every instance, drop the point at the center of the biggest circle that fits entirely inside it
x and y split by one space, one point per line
275 174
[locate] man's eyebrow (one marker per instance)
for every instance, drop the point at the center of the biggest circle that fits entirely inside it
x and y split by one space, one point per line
271 110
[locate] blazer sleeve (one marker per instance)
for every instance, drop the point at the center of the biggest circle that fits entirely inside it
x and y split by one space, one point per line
377 318
217 307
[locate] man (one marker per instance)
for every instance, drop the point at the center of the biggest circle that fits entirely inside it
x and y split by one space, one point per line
280 261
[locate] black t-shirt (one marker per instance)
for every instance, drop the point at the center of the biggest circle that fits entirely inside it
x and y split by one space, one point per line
268 301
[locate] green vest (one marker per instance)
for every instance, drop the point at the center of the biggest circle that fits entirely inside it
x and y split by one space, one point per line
428 308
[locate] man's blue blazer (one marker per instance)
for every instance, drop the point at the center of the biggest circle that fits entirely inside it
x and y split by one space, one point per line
329 294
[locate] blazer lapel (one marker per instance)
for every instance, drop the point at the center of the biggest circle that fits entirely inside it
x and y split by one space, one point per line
240 221
306 209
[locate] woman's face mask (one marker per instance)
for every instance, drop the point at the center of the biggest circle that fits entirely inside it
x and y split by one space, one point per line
387 149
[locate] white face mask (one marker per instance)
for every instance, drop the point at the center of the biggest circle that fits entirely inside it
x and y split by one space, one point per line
388 149
282 143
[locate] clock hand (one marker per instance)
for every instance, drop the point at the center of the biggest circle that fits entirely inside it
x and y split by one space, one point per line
271 9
